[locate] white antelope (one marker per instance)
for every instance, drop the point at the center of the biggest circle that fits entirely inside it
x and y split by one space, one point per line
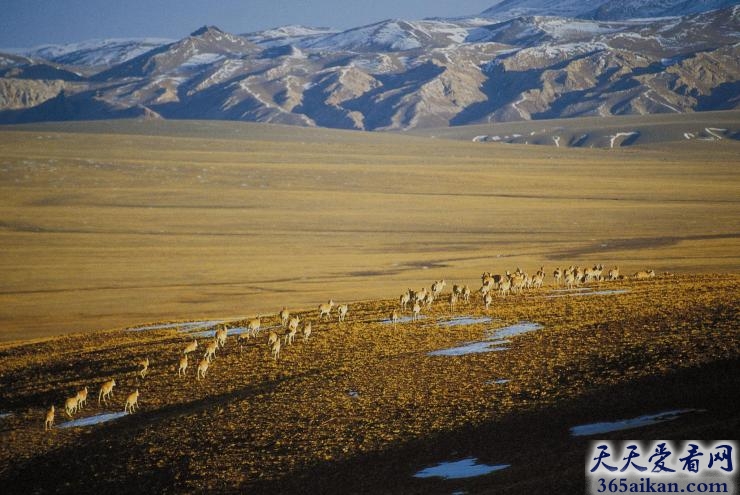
558 276
415 311
202 368
272 338
221 335
429 300
466 293
183 366
49 421
487 299
342 311
325 309
284 315
306 331
106 390
276 350
537 280
504 287
292 330
132 401
191 347
211 351
70 406
144 363
642 275
614 273
404 300
438 287
453 300
81 398
570 280
394 317
253 327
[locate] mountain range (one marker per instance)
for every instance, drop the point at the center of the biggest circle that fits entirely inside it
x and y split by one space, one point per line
518 60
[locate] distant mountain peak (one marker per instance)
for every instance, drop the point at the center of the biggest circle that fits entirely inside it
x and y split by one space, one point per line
207 30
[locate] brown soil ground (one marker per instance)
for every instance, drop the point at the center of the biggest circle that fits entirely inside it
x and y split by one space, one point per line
362 406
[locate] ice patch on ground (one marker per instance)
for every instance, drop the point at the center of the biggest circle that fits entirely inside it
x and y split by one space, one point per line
5 415
183 327
465 468
464 320
496 340
626 424
93 420
403 319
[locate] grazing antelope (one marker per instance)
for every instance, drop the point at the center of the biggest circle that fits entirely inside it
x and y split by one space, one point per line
415 311
106 390
394 317
272 338
202 368
325 309
276 350
211 351
487 300
342 310
642 275
191 347
70 406
144 363
49 421
284 315
292 330
132 401
404 300
183 366
253 327
306 331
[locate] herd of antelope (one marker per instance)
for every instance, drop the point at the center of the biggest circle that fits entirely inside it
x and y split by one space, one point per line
74 404
501 284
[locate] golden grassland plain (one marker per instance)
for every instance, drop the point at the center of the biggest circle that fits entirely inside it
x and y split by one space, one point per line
362 406
113 224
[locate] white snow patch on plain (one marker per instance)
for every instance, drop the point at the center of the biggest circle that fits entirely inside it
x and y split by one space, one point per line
593 293
465 468
621 134
495 340
626 424
92 420
464 320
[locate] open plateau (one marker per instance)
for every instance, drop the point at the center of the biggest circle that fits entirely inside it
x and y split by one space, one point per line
124 242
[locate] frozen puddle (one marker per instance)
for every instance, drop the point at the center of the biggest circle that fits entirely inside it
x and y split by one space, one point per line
626 424
403 319
500 381
230 331
93 420
574 289
5 415
182 327
464 320
593 293
466 468
495 341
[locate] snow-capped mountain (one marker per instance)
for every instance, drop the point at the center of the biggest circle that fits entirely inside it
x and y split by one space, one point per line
603 9
399 74
96 53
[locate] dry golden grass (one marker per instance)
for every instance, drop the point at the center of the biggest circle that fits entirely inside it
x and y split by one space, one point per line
362 406
117 224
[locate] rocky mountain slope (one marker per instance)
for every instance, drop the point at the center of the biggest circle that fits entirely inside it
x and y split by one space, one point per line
398 74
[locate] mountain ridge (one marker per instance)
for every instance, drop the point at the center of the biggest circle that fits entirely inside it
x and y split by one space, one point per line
397 74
